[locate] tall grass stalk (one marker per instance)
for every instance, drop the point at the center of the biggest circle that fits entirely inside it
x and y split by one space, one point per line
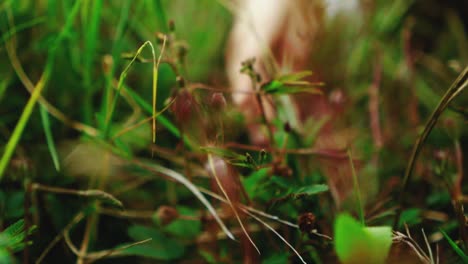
455 89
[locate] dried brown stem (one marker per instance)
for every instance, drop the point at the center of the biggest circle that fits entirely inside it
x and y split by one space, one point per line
59 236
93 256
98 194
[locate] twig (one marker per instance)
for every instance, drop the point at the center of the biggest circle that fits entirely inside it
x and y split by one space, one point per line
59 236
90 223
97 194
93 256
115 251
428 246
408 240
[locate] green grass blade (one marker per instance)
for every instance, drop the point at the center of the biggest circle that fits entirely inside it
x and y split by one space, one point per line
7 35
122 77
455 247
155 83
28 109
91 36
49 137
116 51
23 120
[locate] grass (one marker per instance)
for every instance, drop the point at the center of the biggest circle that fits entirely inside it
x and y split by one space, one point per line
110 143
27 111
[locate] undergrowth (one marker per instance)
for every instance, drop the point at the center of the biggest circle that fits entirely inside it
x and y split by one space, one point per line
120 142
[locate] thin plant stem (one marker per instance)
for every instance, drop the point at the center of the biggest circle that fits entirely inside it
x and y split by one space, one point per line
455 89
356 189
58 237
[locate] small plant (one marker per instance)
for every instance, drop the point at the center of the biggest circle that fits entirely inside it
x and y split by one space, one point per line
12 240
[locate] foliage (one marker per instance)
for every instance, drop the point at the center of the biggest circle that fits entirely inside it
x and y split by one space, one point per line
12 240
120 141
355 243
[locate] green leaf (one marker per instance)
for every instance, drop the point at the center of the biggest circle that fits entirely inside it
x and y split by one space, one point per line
310 190
291 83
253 182
12 238
281 182
277 87
355 243
410 217
295 76
272 86
182 227
14 229
160 247
49 137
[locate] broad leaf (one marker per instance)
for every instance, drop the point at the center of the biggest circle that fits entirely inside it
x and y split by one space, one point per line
355 243
185 228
